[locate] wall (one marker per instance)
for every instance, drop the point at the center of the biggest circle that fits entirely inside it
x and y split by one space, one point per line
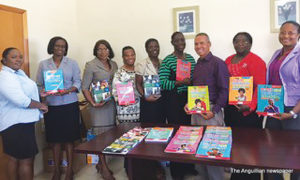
131 22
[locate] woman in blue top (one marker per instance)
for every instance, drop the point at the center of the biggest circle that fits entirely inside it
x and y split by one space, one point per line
19 110
62 120
284 69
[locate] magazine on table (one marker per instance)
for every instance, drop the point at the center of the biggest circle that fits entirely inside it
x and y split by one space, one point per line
159 134
270 100
127 141
240 90
216 143
198 99
186 140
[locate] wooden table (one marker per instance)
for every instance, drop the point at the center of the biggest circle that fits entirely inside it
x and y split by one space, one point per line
251 148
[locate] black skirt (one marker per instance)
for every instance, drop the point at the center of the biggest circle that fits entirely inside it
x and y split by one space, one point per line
153 112
19 141
62 123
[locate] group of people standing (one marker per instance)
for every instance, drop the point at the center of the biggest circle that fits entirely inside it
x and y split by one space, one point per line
20 106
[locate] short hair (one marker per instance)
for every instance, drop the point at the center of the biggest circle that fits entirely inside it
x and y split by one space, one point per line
247 35
126 48
174 34
107 45
197 101
149 41
6 52
52 43
242 89
203 34
297 25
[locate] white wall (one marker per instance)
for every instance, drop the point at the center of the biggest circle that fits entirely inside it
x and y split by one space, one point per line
131 22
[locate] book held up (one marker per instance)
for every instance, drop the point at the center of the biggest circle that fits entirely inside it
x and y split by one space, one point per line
54 81
240 90
198 99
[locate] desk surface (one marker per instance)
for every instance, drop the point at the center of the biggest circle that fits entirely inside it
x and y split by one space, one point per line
251 148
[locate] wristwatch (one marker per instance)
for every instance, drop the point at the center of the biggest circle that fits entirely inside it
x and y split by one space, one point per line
294 114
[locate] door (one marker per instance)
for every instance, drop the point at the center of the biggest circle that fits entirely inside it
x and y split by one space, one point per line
13 33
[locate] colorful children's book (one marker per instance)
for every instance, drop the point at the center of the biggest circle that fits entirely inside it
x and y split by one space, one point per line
216 143
183 70
159 134
101 91
127 141
240 90
54 81
186 140
151 85
125 93
270 100
198 99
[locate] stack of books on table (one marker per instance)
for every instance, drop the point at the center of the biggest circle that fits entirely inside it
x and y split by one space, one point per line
127 141
216 143
159 134
186 140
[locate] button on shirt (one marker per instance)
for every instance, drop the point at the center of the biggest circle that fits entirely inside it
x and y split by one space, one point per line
71 75
16 92
212 72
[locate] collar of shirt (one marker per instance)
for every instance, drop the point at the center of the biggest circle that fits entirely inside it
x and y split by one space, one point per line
206 58
8 69
63 61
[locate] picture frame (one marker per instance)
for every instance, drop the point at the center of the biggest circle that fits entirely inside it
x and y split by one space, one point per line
186 20
281 11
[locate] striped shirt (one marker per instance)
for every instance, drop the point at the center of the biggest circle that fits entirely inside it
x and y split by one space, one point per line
167 72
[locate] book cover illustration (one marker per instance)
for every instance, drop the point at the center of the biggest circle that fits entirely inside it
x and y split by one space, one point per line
125 93
101 91
198 99
54 81
186 140
270 100
216 143
159 134
183 70
240 90
151 85
127 141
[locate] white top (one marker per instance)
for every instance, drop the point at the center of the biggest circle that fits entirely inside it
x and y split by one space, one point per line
16 92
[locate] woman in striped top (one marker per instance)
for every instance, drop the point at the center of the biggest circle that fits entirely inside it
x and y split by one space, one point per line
175 92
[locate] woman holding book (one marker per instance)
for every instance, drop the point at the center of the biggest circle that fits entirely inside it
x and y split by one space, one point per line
62 120
152 106
284 69
103 114
174 89
128 103
19 110
245 63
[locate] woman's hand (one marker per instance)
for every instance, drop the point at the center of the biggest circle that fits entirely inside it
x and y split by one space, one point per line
152 98
207 115
43 93
242 107
97 105
43 108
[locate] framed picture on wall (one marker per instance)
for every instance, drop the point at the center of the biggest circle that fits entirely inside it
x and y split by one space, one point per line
186 20
283 10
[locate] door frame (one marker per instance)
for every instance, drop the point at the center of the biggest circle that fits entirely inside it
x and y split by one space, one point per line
23 13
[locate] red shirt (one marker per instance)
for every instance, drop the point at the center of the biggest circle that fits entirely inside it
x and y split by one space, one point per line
251 65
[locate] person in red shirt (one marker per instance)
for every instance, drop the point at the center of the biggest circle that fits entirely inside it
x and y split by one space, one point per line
245 63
